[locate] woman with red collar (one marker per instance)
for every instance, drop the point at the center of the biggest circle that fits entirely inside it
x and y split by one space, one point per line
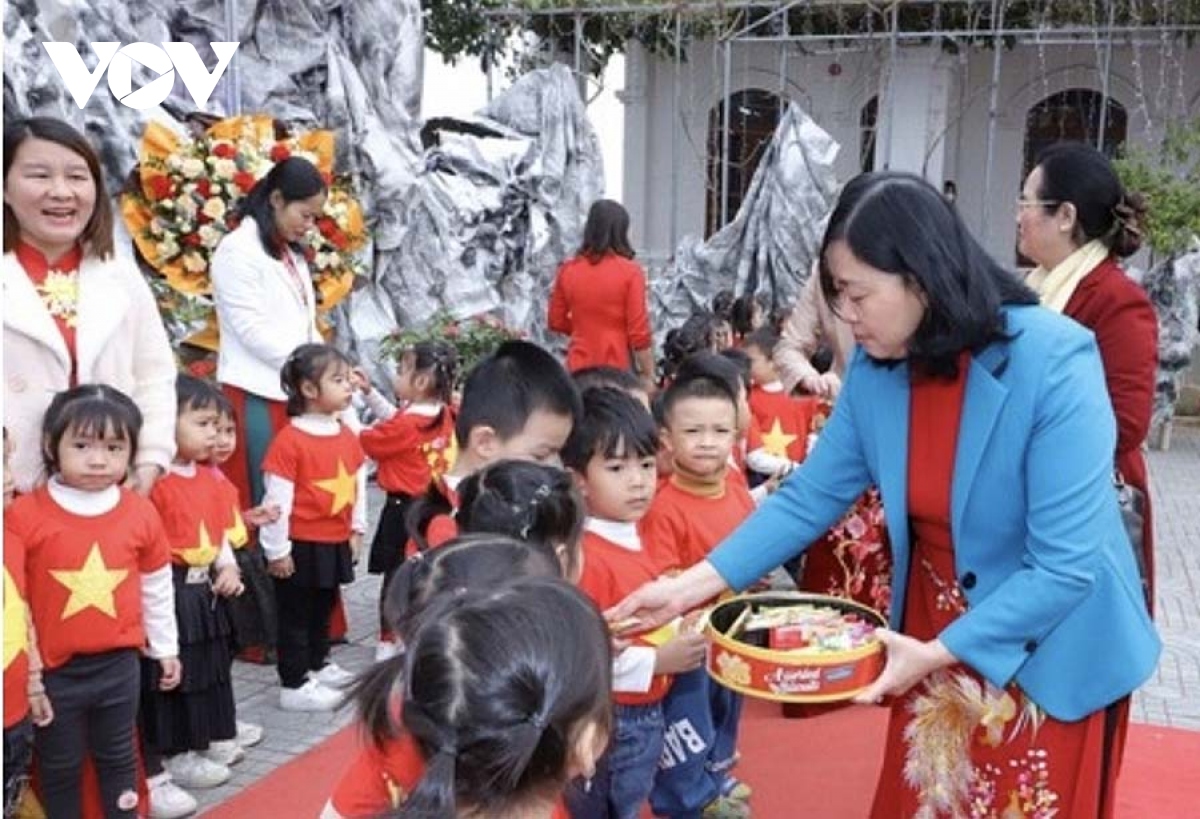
73 311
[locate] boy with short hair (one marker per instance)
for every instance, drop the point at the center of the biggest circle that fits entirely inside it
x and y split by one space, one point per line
517 403
697 507
612 455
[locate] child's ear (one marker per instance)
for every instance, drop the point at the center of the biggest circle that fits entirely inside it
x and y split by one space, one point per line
579 480
590 744
309 389
664 441
423 383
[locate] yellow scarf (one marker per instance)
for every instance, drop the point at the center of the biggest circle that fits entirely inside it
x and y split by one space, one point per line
1056 286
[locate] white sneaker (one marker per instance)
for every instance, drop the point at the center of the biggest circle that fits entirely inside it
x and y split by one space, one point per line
168 800
312 696
248 734
191 770
224 752
386 650
332 676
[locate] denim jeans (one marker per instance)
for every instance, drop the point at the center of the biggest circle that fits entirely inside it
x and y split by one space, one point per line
625 774
685 784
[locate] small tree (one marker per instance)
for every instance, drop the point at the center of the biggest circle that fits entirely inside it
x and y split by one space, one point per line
1169 178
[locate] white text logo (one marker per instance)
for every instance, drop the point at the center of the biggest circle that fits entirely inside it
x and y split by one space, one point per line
165 61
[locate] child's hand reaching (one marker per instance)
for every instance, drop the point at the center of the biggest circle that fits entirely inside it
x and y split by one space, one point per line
682 653
356 544
283 568
261 515
360 380
228 582
172 673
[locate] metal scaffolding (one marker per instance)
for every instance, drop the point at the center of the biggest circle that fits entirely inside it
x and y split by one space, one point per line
770 24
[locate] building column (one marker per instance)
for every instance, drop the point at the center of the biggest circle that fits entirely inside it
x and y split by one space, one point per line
637 141
915 109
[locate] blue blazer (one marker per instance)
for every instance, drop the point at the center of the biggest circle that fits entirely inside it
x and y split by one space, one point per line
1040 551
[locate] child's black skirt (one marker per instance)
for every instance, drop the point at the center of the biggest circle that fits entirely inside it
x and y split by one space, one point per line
387 549
200 710
322 565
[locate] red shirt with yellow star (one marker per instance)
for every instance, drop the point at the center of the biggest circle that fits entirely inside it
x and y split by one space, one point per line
411 448
16 631
784 420
195 512
322 470
84 572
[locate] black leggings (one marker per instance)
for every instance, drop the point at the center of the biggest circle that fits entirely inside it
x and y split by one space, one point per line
95 701
303 644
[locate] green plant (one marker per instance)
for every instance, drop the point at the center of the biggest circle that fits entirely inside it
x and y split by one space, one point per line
1169 179
473 338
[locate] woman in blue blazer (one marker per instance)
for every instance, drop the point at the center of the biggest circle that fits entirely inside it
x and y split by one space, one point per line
1018 625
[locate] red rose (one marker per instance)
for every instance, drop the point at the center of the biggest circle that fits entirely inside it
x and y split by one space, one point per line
280 152
338 239
192 240
161 187
244 180
204 188
204 368
203 218
326 225
224 150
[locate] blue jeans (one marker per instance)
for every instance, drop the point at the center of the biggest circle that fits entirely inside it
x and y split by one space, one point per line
726 709
685 784
625 774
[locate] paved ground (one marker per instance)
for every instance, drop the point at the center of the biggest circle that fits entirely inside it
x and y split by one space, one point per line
1171 698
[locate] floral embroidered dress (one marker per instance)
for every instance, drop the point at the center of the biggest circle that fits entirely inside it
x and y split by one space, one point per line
853 559
957 746
57 282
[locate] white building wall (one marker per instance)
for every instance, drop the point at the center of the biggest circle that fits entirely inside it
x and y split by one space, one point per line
939 118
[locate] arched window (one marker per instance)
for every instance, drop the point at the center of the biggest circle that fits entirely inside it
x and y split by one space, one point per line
754 115
1072 116
868 122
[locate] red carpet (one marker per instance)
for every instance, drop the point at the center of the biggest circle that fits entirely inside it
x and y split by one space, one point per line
822 767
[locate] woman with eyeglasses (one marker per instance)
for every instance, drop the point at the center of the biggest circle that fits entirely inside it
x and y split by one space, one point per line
1075 220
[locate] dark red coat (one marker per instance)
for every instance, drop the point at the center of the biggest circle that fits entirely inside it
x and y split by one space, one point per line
1117 310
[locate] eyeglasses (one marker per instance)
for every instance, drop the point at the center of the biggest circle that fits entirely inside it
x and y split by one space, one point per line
1043 203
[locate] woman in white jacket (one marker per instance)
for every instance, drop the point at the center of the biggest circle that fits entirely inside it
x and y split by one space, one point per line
266 308
73 312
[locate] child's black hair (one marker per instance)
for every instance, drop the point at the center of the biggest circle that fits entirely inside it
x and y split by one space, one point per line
225 407
497 686
527 501
478 561
722 305
89 409
693 336
740 360
508 386
741 316
704 375
192 393
603 376
765 339
307 363
614 425
438 360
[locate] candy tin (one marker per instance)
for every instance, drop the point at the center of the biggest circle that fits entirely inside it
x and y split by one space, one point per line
794 646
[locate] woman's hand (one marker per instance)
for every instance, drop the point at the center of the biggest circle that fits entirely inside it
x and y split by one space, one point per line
172 673
283 568
826 385
662 600
143 478
908 662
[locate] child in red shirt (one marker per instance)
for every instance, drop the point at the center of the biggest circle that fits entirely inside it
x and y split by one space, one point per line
99 589
701 503
192 728
411 447
313 472
786 421
612 454
517 403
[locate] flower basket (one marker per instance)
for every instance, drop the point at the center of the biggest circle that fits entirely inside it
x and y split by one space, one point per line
473 338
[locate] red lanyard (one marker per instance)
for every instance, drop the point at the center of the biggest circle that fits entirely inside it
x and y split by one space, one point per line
297 279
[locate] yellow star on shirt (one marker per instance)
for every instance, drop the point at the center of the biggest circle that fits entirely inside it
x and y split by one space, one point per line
441 458
776 441
91 586
237 534
16 635
341 486
203 553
